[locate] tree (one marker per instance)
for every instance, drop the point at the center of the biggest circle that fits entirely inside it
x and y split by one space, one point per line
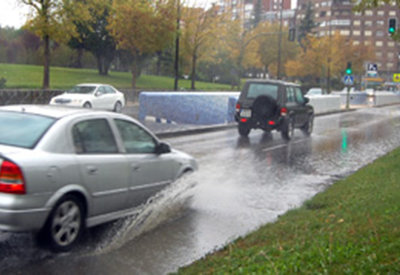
267 49
198 35
142 27
314 64
53 19
257 13
94 36
240 45
307 25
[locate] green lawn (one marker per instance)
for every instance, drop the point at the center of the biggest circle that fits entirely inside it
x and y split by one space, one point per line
31 77
351 228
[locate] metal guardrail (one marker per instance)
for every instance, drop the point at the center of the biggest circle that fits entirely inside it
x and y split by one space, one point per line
8 97
26 96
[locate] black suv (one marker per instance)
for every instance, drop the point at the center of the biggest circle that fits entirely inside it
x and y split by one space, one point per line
269 105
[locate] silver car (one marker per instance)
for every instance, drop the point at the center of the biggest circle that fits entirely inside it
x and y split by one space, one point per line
64 169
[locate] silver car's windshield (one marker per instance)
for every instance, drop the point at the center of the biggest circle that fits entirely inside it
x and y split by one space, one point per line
257 89
82 90
21 129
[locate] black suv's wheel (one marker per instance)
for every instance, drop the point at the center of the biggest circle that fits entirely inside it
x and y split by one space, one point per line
308 127
287 130
65 224
264 107
244 130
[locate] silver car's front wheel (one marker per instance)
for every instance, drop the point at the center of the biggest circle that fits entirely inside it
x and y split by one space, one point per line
65 224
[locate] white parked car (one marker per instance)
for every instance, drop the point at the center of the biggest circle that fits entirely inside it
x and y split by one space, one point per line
98 96
316 91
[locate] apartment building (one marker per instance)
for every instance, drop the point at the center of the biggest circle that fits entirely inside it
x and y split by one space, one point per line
369 27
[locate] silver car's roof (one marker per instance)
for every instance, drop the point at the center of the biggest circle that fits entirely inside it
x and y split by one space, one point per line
48 110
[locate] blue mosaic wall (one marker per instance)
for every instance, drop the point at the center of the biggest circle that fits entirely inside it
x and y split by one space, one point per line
198 108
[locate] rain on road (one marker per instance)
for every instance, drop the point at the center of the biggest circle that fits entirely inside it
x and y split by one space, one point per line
241 185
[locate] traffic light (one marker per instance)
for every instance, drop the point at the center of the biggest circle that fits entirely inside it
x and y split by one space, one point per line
292 34
349 71
392 26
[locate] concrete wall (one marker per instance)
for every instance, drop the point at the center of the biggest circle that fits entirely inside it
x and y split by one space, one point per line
377 98
325 103
385 98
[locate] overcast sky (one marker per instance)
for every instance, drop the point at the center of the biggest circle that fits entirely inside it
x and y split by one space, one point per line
12 14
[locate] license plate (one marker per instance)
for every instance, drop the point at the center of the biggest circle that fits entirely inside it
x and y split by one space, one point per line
245 113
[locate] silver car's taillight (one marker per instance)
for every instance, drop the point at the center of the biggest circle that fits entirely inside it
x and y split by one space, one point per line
11 178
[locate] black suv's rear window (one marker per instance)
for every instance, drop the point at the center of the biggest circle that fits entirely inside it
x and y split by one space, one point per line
256 89
22 129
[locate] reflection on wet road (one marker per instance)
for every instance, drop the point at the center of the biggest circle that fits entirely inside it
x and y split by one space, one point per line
241 184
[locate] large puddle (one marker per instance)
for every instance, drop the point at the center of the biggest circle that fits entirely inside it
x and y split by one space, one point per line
241 185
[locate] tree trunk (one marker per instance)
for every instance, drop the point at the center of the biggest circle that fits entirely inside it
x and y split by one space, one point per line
134 73
79 57
194 60
46 65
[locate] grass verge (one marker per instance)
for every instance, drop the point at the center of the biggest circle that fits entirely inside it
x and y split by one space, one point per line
31 77
351 228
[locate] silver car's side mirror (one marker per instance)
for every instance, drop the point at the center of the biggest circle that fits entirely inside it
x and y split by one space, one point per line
163 148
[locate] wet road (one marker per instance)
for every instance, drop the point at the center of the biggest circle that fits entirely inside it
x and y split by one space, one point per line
241 185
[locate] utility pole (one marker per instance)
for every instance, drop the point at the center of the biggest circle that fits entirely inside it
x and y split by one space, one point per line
278 74
176 65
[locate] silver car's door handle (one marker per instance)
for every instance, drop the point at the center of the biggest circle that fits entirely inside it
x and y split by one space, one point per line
135 168
92 170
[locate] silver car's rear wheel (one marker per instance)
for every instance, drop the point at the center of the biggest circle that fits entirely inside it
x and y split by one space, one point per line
65 224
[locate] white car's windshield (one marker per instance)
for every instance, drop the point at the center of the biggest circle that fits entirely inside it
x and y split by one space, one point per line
315 92
82 90
22 130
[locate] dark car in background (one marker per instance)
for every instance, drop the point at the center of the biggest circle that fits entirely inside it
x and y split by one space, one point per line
273 105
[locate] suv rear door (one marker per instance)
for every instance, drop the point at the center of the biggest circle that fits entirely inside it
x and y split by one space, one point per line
295 104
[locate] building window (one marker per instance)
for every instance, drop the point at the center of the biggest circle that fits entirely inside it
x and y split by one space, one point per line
368 23
379 43
391 44
381 13
392 13
356 33
380 33
356 43
367 43
390 55
356 22
378 54
369 13
380 22
368 33
390 65
345 32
